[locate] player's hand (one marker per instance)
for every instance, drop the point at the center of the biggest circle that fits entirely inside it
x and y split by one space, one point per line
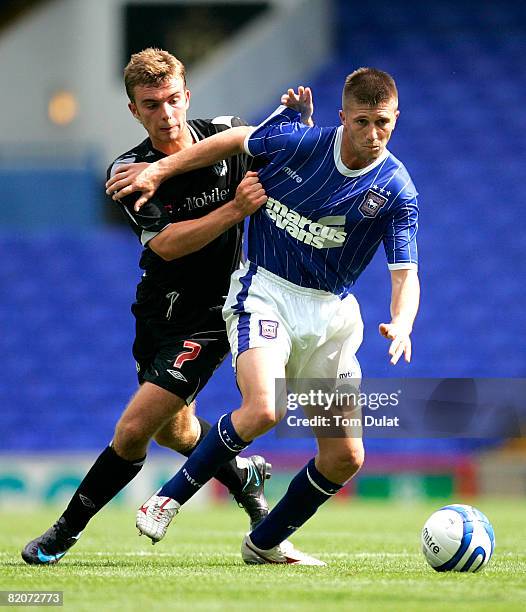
130 178
250 195
300 101
401 341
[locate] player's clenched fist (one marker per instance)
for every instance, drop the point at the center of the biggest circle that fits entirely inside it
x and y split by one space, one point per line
250 195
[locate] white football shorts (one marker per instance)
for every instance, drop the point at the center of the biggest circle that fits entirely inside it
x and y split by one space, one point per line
314 333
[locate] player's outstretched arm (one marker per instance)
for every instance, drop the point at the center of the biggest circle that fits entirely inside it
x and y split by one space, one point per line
185 237
129 179
405 297
300 101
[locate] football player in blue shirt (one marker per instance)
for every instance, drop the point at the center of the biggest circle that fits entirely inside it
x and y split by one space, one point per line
333 195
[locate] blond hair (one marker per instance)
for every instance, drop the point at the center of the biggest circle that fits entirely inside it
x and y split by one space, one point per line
151 68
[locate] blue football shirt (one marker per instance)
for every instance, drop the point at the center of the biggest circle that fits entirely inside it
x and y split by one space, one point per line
323 222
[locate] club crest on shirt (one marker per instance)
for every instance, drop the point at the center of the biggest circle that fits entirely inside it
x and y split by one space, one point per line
268 329
372 203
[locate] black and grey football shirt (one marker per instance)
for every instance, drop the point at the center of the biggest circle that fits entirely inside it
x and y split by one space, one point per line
201 278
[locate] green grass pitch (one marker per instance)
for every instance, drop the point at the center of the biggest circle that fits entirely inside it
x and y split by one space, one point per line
372 549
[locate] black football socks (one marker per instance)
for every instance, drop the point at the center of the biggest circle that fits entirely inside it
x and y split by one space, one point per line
107 476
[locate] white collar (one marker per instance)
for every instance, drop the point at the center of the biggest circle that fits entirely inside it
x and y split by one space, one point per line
342 168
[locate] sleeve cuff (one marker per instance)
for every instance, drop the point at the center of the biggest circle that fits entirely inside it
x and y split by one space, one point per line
146 235
408 265
245 142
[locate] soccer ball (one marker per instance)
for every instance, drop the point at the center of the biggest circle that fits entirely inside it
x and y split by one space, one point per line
458 538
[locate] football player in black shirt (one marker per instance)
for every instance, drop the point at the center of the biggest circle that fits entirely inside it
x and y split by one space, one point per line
191 233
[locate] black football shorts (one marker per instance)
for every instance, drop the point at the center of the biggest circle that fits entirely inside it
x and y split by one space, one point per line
179 356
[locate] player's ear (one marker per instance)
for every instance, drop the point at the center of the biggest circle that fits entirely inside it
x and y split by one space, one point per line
187 96
342 116
133 111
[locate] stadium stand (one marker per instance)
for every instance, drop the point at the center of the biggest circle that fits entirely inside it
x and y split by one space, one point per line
64 312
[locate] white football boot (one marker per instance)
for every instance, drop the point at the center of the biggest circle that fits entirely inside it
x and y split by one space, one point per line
283 553
154 516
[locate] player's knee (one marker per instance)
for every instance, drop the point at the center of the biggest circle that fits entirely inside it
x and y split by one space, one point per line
130 433
351 460
346 462
263 416
264 420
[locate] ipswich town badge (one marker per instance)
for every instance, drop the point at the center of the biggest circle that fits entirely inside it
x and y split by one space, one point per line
268 329
372 203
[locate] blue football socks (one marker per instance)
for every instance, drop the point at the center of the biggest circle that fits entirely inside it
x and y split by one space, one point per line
307 491
221 444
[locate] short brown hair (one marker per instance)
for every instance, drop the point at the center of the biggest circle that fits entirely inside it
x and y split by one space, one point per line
369 86
152 67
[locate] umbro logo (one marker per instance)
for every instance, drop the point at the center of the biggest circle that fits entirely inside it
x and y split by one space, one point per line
176 374
86 501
